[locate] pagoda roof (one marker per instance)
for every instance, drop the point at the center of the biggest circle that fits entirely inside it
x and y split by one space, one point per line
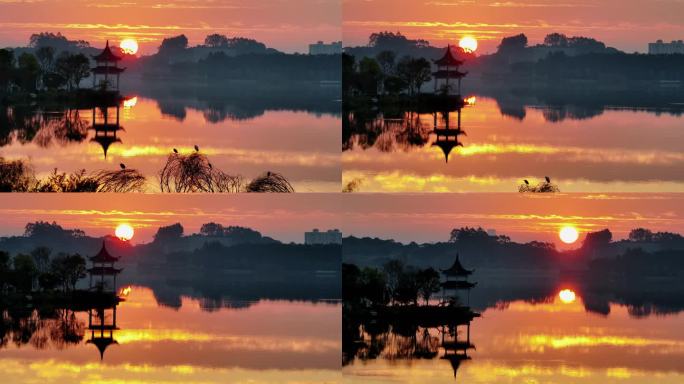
454 74
102 343
457 284
447 146
105 142
103 256
106 55
457 269
101 70
448 59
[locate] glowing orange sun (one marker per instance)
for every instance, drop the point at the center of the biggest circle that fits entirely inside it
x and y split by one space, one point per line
129 46
124 232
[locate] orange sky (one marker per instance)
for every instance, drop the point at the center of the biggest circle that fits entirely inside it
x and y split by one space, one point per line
277 23
283 217
625 24
405 217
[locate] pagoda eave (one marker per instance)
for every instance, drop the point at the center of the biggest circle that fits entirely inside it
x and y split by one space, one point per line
443 74
100 70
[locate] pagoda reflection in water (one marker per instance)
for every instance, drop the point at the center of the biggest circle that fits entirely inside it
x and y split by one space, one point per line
102 314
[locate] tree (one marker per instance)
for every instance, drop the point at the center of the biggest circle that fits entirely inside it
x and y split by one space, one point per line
68 270
415 72
393 270
172 45
513 44
216 40
73 68
28 71
595 240
46 58
25 272
5 270
641 235
41 257
211 229
556 40
243 45
170 232
428 283
386 60
6 67
370 75
408 288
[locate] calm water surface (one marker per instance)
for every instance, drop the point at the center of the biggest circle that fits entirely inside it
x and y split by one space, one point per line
256 342
610 149
553 341
303 146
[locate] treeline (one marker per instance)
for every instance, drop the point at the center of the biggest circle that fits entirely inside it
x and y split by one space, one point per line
219 66
384 74
40 271
393 284
478 249
44 70
215 257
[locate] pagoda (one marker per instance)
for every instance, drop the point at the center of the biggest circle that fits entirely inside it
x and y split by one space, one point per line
460 278
106 66
102 324
447 137
103 273
447 69
106 125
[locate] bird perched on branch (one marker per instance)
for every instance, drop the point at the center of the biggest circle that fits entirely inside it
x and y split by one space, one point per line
175 150
526 182
122 166
548 179
196 148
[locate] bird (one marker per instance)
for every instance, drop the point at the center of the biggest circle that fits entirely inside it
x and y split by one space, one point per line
548 180
211 166
122 166
175 150
526 182
196 148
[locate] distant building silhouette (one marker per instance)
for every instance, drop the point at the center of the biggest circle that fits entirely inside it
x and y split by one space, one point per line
316 237
320 48
662 48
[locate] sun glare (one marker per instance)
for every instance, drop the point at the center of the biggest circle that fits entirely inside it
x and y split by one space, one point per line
568 234
129 46
468 43
124 232
567 296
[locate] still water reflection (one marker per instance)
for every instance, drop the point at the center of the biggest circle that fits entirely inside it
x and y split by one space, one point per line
267 341
555 340
582 149
142 132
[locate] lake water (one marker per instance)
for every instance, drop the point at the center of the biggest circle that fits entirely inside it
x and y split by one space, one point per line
582 148
262 341
550 340
301 144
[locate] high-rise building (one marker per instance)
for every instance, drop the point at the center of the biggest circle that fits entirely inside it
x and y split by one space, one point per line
320 48
661 48
316 237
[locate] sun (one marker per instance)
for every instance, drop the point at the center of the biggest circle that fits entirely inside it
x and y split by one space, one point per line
568 234
124 232
567 296
129 46
468 43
